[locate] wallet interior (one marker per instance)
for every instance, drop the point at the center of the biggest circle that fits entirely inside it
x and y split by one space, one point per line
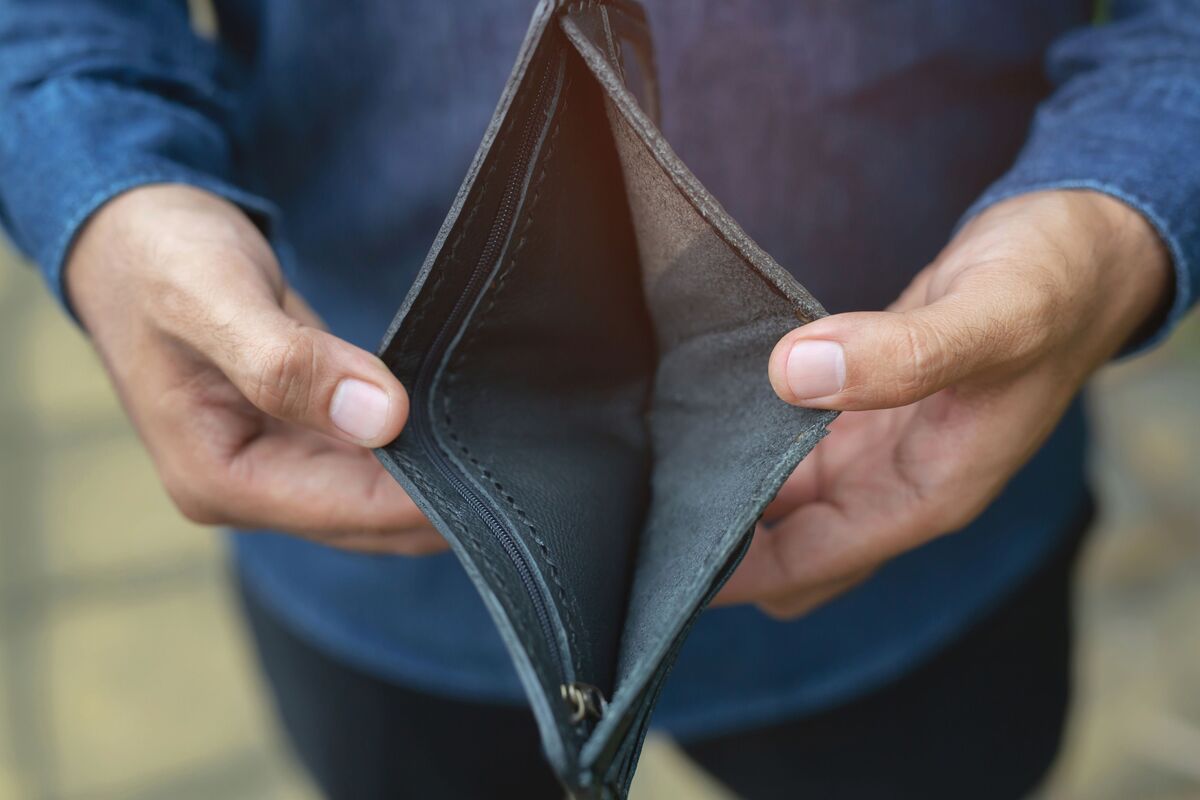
592 426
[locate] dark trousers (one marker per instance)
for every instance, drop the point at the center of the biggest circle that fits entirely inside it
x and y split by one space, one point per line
980 719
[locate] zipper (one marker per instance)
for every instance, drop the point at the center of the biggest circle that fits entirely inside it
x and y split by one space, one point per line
421 425
585 701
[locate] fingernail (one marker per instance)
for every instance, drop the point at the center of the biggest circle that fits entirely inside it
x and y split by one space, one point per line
359 409
816 368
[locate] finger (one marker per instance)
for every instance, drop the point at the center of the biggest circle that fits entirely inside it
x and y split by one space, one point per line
298 308
767 571
815 547
800 603
870 360
225 463
296 481
420 542
299 373
287 478
939 476
801 487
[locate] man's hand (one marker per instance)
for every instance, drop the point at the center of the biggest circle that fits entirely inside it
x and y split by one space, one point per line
253 414
950 391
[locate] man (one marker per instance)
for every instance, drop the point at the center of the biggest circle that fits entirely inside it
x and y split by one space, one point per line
141 166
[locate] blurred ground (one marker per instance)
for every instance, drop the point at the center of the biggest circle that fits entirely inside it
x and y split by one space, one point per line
123 674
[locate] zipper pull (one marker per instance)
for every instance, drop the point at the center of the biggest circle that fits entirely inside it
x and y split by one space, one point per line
585 701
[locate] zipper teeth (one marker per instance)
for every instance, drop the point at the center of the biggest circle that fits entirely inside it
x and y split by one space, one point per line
421 413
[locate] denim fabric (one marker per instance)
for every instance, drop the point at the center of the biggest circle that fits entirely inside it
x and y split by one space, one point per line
864 128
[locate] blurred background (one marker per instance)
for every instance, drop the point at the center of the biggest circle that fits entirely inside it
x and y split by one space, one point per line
124 673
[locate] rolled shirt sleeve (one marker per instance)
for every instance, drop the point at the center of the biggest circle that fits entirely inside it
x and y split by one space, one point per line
1125 120
100 96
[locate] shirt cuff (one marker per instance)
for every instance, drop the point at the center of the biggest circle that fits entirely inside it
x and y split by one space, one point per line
262 212
1147 170
70 146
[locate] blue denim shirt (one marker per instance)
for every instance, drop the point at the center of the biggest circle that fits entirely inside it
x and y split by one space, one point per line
864 130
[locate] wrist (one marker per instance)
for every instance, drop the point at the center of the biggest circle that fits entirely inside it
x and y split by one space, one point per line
140 242
1129 264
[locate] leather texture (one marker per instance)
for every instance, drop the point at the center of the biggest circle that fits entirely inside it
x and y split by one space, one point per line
585 350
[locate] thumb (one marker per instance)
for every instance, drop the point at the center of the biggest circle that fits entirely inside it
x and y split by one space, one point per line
886 359
299 373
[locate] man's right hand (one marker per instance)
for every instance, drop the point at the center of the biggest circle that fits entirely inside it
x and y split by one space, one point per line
254 415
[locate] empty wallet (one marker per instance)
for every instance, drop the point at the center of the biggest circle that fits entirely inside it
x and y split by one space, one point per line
591 424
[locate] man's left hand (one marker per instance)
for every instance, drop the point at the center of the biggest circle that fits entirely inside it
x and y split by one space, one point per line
950 391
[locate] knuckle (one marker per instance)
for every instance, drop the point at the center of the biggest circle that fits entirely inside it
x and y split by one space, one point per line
283 376
790 572
946 517
415 542
202 489
780 610
367 539
1027 316
411 546
961 516
175 307
1041 316
919 361
196 506
937 498
786 609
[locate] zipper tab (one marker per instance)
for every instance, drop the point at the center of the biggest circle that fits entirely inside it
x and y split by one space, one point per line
586 701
